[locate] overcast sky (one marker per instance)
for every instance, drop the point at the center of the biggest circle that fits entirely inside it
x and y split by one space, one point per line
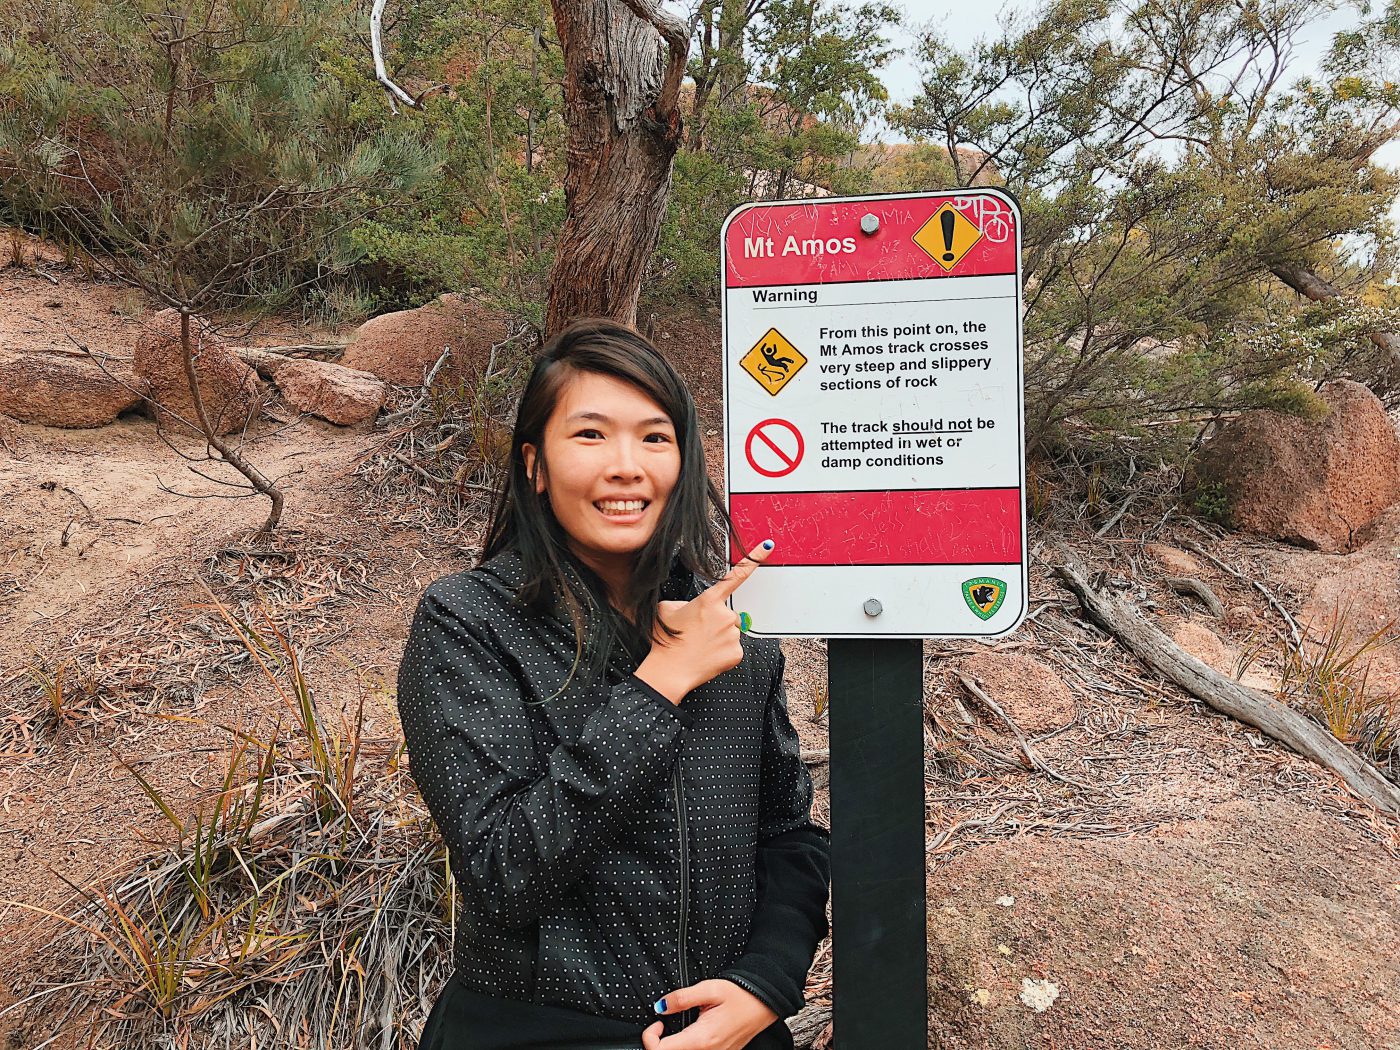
964 23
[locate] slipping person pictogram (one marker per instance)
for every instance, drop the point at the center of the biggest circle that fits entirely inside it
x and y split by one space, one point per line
773 361
777 367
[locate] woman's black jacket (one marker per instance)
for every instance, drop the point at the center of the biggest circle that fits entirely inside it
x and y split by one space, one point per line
608 845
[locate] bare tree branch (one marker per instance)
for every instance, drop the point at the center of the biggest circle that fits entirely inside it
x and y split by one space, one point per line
1311 286
376 18
677 36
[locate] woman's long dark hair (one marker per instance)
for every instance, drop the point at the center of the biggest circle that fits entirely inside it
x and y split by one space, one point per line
524 521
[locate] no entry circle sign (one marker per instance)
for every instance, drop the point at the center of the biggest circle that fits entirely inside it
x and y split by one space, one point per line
774 448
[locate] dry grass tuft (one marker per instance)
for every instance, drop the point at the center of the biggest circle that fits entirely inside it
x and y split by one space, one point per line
308 895
1329 677
1327 674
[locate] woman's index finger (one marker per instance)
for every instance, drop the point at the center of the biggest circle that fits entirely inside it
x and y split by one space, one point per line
746 567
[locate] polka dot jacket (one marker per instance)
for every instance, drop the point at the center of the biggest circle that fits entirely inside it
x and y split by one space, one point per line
609 846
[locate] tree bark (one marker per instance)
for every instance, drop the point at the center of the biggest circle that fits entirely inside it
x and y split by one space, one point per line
1276 720
623 63
809 1023
1310 285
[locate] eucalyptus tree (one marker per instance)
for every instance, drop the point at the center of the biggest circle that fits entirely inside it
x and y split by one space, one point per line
1173 169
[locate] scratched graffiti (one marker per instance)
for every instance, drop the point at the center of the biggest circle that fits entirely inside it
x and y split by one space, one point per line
990 214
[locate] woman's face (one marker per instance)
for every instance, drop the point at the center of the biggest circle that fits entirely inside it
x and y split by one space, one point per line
612 462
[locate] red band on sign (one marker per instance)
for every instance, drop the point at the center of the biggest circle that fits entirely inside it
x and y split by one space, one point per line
817 243
911 527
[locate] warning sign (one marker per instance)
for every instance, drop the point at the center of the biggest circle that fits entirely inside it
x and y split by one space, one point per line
774 448
773 361
948 236
885 458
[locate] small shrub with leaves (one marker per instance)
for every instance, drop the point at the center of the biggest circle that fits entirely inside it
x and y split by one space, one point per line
1212 502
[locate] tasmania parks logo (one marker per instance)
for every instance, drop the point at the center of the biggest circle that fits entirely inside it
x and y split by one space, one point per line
984 595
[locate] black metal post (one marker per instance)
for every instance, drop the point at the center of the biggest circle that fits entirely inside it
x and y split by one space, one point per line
879 942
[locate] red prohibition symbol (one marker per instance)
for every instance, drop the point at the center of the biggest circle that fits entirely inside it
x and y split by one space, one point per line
774 448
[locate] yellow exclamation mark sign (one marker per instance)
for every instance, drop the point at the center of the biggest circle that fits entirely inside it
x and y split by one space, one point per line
947 236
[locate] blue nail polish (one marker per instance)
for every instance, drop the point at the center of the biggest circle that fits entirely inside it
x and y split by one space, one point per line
768 545
660 1006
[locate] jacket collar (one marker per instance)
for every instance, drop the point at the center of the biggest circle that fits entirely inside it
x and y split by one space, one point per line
680 584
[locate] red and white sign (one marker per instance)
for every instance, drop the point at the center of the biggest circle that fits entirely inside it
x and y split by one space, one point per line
774 448
885 454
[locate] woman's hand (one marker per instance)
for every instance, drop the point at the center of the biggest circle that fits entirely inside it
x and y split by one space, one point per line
708 644
729 1018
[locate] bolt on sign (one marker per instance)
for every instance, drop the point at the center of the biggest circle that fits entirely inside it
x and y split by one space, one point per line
873 413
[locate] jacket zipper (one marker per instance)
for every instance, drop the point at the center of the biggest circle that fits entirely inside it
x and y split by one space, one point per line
685 869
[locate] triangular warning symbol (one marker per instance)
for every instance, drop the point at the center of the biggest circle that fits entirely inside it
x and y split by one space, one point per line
947 236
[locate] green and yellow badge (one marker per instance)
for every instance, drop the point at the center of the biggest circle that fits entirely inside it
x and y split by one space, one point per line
984 595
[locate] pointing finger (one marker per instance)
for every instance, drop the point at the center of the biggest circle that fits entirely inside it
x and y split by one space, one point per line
741 572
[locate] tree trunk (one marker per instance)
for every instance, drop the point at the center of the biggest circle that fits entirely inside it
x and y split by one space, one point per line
703 72
623 62
1310 285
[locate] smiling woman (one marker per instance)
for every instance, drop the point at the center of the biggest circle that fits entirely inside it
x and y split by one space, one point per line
605 416
609 759
608 475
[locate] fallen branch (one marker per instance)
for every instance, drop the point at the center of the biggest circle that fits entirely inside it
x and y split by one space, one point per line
1275 720
304 349
1117 515
946 836
423 395
1199 588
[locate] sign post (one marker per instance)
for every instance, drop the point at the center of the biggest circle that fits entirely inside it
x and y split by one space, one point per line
873 428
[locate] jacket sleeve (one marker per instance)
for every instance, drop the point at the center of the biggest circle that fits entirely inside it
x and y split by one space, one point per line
794 872
520 826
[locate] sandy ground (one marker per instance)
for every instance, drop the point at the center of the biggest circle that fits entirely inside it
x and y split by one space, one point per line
1199 887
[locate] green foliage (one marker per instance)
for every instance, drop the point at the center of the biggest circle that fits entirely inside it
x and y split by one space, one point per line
1166 170
908 168
703 191
1212 502
248 148
490 218
205 148
783 92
